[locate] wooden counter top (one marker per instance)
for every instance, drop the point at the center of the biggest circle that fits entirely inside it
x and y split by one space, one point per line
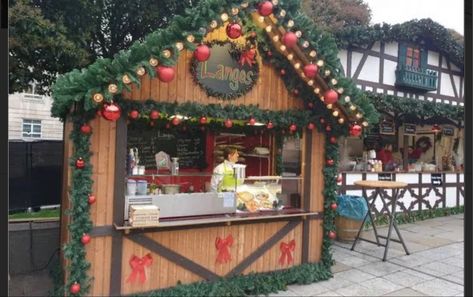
380 184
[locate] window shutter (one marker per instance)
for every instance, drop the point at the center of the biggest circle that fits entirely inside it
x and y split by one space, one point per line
402 55
423 58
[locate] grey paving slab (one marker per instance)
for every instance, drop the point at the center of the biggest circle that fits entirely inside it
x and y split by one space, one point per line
439 268
381 286
438 287
336 282
410 260
307 290
339 267
282 294
405 292
355 275
455 261
329 293
457 278
380 268
407 278
356 290
32 284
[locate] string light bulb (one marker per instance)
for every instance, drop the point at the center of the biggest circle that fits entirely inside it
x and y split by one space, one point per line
327 72
358 116
341 121
180 46
313 53
329 106
340 90
310 83
213 24
347 99
365 124
153 62
316 90
98 97
244 5
290 24
297 65
305 44
282 13
352 107
275 2
141 71
268 28
167 53
282 47
224 17
335 113
261 19
290 57
276 38
298 34
320 63
126 79
334 81
190 38
235 10
112 88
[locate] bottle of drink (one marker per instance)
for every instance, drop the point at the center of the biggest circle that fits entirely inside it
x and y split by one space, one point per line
175 166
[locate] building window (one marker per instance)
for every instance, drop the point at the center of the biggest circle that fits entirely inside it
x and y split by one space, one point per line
31 128
413 57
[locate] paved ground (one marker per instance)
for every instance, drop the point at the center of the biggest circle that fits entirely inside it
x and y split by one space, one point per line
434 268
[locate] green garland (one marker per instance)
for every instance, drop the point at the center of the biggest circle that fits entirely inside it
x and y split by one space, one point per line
415 108
75 90
435 35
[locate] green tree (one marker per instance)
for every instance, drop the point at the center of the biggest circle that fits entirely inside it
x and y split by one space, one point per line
53 37
38 49
334 15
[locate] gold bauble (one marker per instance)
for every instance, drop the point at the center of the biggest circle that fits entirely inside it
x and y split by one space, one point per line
112 88
126 79
153 62
98 97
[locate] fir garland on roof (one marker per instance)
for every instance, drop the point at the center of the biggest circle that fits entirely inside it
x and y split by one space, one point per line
435 35
417 108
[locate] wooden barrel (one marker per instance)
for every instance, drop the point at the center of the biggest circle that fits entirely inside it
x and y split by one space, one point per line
347 228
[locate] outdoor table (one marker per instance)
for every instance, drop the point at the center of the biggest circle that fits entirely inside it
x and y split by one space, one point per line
379 187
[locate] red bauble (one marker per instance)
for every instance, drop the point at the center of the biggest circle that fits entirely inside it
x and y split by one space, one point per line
203 120
202 53
311 126
282 72
322 121
289 39
111 112
165 74
252 121
152 123
85 129
80 163
75 288
91 199
310 105
310 70
154 115
355 130
168 126
265 8
333 206
233 30
134 114
332 234
295 92
270 125
328 128
176 121
228 123
269 53
330 162
85 239
293 128
330 97
333 139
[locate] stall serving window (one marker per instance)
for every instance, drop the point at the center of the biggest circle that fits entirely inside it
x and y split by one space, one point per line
175 168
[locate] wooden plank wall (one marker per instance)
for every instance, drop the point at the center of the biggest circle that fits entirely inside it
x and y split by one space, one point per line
269 92
316 195
198 245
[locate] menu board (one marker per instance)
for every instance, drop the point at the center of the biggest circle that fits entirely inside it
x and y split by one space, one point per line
189 147
436 179
387 128
410 129
448 131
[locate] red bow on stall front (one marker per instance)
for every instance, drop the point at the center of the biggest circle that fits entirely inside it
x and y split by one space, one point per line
248 57
286 251
138 265
222 246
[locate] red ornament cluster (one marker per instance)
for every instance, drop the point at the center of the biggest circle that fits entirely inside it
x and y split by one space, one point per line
310 70
111 111
75 288
289 39
330 97
154 115
332 234
203 120
85 129
265 8
85 239
91 199
134 114
202 53
355 130
80 163
228 123
165 73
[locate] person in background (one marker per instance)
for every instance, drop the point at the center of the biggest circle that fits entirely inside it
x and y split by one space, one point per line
413 154
223 178
385 154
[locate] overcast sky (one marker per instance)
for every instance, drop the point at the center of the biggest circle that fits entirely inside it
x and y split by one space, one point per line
448 13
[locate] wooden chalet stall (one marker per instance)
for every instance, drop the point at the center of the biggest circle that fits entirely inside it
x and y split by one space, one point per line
126 259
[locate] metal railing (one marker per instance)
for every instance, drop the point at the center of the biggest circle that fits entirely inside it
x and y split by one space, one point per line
416 77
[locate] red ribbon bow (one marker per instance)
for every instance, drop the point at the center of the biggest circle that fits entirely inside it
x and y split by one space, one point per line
222 246
138 265
286 251
248 57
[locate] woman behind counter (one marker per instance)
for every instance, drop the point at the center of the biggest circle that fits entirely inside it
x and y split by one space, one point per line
223 178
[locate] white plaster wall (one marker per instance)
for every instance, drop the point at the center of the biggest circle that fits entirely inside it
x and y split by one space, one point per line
376 47
456 80
444 63
342 55
355 60
370 70
433 58
389 74
391 48
446 87
20 108
454 67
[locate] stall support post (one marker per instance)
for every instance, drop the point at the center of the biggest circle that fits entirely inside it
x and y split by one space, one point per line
405 157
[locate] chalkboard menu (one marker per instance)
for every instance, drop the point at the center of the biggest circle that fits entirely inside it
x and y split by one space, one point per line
448 131
387 128
385 176
189 147
410 129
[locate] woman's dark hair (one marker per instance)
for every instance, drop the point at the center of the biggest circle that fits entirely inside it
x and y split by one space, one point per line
229 150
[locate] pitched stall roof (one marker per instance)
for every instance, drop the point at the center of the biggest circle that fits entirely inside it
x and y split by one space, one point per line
188 30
